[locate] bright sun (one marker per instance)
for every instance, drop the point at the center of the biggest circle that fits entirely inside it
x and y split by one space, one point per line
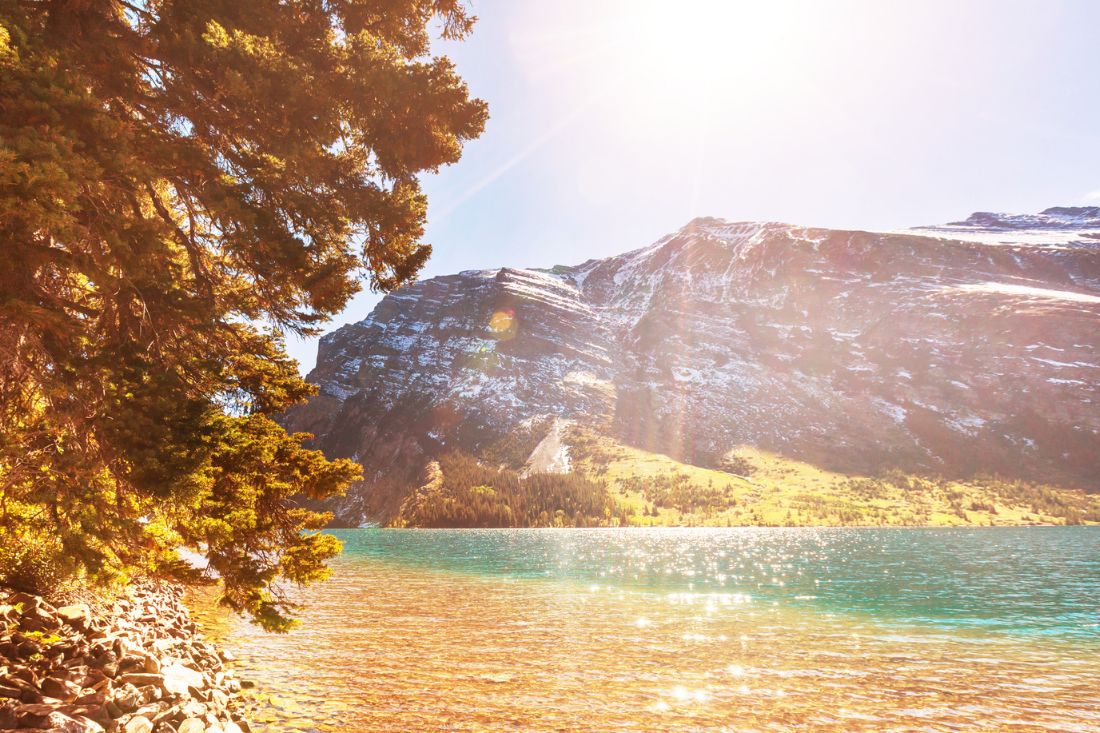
660 52
694 47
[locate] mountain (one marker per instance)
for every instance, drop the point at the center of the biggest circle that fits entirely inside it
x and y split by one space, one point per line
956 350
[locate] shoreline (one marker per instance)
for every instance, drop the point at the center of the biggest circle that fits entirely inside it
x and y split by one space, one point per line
135 664
342 528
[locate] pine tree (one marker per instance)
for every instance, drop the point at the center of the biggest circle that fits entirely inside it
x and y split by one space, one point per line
182 182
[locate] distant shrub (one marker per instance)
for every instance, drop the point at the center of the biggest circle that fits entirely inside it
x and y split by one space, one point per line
33 564
738 465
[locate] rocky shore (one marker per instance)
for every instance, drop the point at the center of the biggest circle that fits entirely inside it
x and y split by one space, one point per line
134 665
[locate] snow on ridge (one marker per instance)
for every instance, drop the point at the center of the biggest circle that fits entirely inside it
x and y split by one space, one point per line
1047 238
548 290
581 273
736 235
1027 291
1056 217
1065 226
897 413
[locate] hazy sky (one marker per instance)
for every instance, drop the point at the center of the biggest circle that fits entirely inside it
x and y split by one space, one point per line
614 122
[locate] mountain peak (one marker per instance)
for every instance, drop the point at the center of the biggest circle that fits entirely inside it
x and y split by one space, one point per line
1054 218
857 350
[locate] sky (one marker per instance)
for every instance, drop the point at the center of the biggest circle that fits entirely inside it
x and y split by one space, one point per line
615 122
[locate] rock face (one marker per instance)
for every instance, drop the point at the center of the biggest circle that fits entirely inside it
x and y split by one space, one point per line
957 349
139 667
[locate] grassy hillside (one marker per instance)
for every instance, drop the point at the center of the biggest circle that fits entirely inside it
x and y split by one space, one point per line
609 483
760 488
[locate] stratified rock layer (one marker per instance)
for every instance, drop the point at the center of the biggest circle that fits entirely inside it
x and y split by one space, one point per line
968 348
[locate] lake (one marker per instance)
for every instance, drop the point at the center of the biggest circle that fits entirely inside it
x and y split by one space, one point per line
689 630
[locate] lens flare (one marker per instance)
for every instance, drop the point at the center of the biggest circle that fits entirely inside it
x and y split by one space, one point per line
503 324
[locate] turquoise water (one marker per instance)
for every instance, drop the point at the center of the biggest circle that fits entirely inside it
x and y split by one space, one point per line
1026 580
688 630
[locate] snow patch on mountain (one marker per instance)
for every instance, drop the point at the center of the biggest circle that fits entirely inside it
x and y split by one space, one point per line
1028 291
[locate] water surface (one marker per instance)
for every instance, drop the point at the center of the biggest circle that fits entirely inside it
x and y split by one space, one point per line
691 630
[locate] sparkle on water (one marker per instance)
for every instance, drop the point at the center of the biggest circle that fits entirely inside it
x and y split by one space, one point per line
689 630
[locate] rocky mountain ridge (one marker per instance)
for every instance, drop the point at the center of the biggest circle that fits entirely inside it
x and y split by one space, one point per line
972 347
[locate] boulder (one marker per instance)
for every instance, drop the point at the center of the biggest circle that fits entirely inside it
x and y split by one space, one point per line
177 678
7 716
33 715
191 725
24 600
97 713
127 698
141 679
138 724
149 693
76 615
193 709
62 723
95 697
27 649
60 689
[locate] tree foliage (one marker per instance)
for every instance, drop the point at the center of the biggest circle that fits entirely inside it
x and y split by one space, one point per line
181 183
461 491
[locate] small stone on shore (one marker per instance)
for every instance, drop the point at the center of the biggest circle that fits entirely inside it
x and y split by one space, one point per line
137 665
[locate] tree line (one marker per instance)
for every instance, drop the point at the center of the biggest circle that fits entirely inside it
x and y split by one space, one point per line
461 491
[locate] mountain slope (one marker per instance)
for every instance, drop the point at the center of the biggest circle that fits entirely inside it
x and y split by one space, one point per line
969 348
